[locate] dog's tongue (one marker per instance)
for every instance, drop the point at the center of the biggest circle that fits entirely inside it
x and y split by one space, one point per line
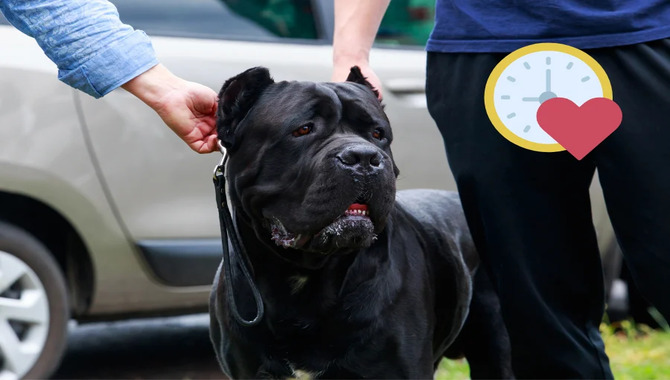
357 209
358 206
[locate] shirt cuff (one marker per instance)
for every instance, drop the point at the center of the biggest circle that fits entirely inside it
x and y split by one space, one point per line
113 65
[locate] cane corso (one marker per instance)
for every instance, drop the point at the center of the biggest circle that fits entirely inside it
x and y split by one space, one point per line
356 280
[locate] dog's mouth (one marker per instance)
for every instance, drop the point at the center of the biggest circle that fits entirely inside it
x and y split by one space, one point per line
352 229
358 209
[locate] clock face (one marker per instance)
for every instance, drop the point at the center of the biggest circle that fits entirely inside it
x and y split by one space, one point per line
532 75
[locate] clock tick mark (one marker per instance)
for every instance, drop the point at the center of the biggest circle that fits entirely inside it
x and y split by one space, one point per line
526 129
548 60
569 66
504 97
511 79
511 115
526 65
586 78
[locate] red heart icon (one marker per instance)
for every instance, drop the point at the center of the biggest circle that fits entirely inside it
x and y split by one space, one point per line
579 129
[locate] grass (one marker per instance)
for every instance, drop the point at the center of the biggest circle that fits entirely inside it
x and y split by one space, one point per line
453 369
635 352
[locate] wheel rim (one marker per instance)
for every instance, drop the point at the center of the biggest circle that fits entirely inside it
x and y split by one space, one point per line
24 317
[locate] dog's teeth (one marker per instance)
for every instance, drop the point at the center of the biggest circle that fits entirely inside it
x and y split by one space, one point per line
357 212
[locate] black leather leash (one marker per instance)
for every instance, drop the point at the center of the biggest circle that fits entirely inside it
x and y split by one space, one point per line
229 233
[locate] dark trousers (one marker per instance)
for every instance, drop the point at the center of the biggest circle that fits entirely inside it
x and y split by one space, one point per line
529 212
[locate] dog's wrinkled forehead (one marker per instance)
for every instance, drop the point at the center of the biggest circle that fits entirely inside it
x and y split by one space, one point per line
297 101
358 98
252 99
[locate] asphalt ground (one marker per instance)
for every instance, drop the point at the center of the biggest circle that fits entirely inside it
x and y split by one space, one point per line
157 348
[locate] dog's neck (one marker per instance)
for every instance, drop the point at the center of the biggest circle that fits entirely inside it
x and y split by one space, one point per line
295 259
286 286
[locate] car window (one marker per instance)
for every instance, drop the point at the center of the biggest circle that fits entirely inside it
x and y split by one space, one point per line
407 22
267 20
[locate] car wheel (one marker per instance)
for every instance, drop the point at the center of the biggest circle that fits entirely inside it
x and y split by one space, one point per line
34 310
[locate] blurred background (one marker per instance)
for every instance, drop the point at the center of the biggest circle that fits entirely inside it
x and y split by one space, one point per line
110 237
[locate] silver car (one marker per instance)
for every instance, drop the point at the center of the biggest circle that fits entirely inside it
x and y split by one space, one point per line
106 214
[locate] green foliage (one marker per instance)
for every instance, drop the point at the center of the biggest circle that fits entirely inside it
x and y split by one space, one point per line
635 352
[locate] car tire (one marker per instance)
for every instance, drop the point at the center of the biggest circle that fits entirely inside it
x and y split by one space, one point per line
34 310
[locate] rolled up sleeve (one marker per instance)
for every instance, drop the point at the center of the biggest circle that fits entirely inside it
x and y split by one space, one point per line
94 51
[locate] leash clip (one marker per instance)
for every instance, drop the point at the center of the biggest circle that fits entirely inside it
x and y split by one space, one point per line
218 170
222 149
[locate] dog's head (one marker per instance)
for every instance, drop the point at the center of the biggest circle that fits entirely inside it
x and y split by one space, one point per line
310 164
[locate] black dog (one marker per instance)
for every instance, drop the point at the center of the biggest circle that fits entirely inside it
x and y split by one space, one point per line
356 281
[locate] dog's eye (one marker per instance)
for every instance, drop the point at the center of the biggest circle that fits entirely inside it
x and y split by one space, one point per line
378 134
303 130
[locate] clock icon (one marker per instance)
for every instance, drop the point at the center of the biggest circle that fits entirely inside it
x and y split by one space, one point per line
533 74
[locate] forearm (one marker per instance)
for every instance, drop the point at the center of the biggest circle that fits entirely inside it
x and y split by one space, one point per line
94 51
188 108
356 25
152 85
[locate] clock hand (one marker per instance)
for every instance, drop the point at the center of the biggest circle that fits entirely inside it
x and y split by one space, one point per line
548 94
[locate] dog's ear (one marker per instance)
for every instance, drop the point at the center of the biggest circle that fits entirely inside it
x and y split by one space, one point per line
356 76
236 98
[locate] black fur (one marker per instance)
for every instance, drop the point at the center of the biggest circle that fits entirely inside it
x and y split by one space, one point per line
236 97
356 76
346 296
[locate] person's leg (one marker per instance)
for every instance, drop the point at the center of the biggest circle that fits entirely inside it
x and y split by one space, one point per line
634 163
530 217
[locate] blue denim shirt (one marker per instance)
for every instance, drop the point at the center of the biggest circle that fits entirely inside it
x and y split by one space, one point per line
94 51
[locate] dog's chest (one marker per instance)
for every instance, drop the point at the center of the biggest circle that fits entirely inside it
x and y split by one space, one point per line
363 319
317 352
308 340
303 349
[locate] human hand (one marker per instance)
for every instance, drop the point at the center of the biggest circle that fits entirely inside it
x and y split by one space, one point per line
356 25
188 108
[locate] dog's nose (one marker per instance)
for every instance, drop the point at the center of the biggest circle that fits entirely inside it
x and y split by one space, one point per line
360 157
